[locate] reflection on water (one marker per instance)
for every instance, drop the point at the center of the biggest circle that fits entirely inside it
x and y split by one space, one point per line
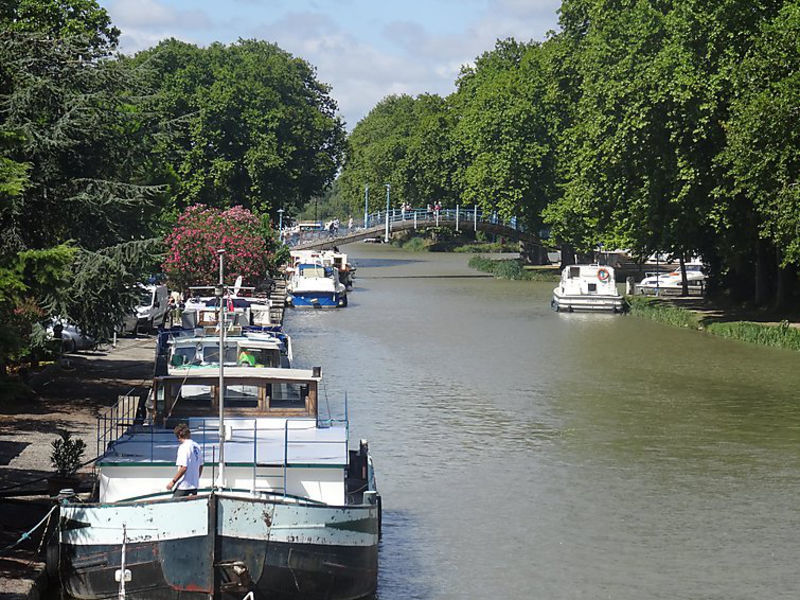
524 453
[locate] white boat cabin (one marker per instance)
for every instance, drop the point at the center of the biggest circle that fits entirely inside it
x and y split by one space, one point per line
584 280
255 350
275 442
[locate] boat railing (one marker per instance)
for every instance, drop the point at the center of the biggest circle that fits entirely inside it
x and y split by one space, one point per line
116 420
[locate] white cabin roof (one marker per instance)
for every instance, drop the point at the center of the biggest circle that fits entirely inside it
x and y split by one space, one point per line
211 374
264 441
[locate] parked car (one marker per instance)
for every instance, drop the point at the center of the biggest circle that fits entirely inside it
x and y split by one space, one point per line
72 338
151 311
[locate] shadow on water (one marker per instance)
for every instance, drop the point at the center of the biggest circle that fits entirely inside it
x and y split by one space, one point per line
384 262
465 276
400 570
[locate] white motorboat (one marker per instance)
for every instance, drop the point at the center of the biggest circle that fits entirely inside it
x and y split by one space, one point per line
313 284
587 288
201 308
671 283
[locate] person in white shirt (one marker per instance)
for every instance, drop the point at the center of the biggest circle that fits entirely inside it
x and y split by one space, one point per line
189 463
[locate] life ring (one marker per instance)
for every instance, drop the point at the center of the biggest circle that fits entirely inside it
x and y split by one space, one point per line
603 275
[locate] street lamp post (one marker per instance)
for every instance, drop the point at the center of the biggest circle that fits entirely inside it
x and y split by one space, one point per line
386 236
219 292
280 224
366 204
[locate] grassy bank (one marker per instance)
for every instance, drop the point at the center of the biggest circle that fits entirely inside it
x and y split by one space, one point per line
658 310
513 269
486 247
777 336
416 244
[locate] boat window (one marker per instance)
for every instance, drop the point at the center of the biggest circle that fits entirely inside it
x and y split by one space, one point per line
257 357
198 395
146 298
184 356
592 287
574 272
241 396
288 395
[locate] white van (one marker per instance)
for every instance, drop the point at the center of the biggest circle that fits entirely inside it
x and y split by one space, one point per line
152 308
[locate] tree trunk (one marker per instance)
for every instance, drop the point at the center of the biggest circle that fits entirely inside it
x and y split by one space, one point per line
567 256
784 286
533 254
760 275
684 281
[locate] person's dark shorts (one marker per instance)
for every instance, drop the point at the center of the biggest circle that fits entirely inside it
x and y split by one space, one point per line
182 493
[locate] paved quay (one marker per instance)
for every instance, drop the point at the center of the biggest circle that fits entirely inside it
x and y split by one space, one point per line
68 397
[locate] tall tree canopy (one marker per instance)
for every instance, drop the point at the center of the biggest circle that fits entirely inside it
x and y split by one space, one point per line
252 125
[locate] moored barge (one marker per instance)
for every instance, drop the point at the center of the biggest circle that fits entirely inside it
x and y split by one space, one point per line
289 512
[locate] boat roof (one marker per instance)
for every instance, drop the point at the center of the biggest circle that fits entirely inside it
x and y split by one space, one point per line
263 441
210 374
211 340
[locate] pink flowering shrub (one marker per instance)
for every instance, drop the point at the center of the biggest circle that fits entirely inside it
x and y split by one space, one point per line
192 246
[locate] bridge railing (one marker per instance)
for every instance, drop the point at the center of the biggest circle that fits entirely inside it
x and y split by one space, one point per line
463 218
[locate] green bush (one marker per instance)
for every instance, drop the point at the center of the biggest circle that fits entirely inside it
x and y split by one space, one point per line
512 269
416 244
67 453
481 263
508 269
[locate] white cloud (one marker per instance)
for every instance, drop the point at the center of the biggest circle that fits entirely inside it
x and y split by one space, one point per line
144 23
413 58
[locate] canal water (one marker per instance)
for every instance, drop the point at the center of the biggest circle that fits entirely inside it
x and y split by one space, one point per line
523 453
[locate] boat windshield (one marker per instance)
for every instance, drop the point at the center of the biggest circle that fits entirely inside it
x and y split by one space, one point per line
211 354
314 271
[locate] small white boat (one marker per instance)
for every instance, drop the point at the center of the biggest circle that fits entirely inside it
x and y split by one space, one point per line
587 288
314 284
201 310
671 283
337 259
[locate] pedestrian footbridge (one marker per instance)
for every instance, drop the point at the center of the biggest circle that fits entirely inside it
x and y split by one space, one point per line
380 227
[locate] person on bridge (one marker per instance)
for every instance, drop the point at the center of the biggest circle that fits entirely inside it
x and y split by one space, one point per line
437 207
350 223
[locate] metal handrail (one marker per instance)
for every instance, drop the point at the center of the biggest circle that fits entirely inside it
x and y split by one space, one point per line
469 216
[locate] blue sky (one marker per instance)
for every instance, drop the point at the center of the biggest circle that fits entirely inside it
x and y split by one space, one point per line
365 50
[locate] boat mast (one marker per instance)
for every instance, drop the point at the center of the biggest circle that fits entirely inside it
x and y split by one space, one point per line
219 292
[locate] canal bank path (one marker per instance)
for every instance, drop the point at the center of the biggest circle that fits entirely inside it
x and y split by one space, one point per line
67 397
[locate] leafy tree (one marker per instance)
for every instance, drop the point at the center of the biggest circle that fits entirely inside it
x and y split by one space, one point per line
507 127
72 140
252 125
376 148
62 19
763 152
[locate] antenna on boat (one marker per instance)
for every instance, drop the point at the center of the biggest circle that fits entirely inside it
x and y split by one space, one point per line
219 292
